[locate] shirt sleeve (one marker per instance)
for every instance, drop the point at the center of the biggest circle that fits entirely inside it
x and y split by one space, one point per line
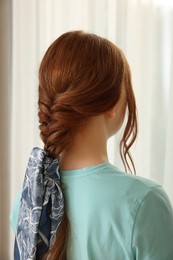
15 212
152 236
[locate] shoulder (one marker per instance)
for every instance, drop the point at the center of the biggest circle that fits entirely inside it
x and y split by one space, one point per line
156 200
123 187
135 190
135 183
149 204
154 223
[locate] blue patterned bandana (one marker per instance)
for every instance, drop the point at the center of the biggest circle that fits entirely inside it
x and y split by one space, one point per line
41 206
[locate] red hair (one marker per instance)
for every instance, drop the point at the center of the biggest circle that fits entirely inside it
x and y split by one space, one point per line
81 76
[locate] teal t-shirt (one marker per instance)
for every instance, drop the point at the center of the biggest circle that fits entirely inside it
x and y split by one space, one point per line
114 215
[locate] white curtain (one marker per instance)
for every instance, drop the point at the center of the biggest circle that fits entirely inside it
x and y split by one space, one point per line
141 28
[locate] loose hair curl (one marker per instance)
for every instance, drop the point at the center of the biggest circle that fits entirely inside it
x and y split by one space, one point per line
81 76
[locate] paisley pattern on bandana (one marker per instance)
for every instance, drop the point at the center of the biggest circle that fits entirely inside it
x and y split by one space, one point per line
41 206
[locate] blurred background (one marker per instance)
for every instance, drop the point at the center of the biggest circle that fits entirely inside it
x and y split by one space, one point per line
143 29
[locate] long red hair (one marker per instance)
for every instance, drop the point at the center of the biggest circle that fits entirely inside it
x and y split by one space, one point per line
81 76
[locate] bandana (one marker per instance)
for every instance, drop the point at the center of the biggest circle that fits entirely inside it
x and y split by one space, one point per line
41 206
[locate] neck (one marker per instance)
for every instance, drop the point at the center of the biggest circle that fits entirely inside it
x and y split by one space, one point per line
88 147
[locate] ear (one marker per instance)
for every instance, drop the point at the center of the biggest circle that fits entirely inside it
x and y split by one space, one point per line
111 113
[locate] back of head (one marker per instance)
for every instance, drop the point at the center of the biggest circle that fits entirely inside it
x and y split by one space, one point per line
80 76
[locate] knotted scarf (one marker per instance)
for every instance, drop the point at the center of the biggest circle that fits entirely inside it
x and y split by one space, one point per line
41 206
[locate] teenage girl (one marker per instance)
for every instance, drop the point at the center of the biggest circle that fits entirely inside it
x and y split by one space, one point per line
75 204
